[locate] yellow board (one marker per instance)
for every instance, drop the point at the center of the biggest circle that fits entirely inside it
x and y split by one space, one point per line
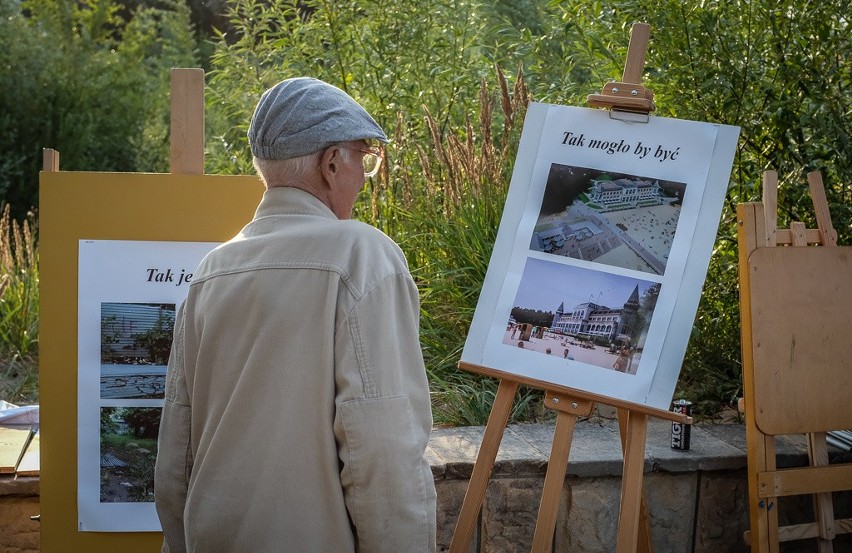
107 206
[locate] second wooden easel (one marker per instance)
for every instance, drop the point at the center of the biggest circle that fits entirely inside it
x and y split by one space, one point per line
623 98
796 312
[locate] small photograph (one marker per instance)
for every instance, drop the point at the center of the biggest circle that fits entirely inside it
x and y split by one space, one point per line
128 453
581 315
611 218
136 339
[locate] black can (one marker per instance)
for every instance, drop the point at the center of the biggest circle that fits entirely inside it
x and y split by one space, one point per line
680 431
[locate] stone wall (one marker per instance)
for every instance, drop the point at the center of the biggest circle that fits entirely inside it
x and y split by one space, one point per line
18 502
697 499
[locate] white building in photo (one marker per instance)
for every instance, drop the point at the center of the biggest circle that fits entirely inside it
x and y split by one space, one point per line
613 195
599 321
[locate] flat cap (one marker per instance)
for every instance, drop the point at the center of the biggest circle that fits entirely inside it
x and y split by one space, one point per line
304 115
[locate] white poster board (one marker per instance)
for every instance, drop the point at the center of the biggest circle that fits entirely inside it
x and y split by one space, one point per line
128 294
602 251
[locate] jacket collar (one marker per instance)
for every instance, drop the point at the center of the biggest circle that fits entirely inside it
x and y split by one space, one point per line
286 200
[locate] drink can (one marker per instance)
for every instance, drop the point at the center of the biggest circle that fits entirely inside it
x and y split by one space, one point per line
680 431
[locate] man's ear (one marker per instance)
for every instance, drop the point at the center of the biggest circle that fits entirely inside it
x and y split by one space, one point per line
330 165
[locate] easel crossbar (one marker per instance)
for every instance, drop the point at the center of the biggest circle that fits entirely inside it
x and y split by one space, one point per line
800 481
808 530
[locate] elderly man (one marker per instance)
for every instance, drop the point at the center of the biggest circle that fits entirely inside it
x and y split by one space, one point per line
297 408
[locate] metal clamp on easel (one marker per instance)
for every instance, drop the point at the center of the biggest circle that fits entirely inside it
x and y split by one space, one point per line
629 100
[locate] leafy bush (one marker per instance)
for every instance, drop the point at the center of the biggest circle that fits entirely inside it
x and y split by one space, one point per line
97 91
87 83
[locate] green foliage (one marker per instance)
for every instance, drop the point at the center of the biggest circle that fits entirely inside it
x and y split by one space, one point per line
143 422
394 57
90 79
19 308
157 339
86 83
532 316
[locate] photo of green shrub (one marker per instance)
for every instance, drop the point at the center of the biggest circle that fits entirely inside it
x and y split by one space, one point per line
128 453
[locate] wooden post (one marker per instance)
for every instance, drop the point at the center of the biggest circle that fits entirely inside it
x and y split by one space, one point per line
629 95
630 513
50 159
643 541
187 121
640 35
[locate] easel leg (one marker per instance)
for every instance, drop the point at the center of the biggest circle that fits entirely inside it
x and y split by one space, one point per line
763 512
823 507
566 419
632 497
484 463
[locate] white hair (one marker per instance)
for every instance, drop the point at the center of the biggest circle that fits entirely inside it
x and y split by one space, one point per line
275 172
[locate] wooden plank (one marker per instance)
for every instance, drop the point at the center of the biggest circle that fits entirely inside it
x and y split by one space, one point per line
805 480
643 544
770 504
805 531
770 206
554 480
478 483
580 394
187 122
751 232
50 160
823 507
31 460
806 345
798 234
13 441
634 66
632 483
784 237
827 233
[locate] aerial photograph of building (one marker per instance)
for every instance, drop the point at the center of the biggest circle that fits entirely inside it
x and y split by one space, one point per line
616 219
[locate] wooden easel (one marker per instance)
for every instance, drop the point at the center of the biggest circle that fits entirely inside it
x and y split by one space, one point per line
628 97
796 311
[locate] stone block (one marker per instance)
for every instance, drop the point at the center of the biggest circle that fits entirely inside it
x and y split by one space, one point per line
19 534
509 514
722 512
589 521
450 497
671 509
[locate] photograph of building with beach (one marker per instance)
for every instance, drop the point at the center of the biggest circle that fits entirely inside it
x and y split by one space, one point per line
136 339
578 314
611 218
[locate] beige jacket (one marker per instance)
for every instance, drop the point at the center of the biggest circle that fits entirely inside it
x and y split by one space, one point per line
297 409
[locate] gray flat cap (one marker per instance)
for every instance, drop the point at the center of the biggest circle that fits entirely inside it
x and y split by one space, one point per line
301 116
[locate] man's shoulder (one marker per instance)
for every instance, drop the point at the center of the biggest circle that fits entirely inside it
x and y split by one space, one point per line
365 243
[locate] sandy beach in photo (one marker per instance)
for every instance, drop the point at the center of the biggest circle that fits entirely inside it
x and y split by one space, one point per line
592 355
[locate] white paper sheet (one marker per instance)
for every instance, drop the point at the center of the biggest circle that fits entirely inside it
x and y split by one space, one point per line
128 293
608 228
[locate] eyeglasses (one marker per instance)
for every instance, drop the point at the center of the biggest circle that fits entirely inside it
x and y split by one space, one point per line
372 159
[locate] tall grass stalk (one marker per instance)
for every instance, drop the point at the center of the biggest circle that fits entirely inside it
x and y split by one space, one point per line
445 213
19 308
